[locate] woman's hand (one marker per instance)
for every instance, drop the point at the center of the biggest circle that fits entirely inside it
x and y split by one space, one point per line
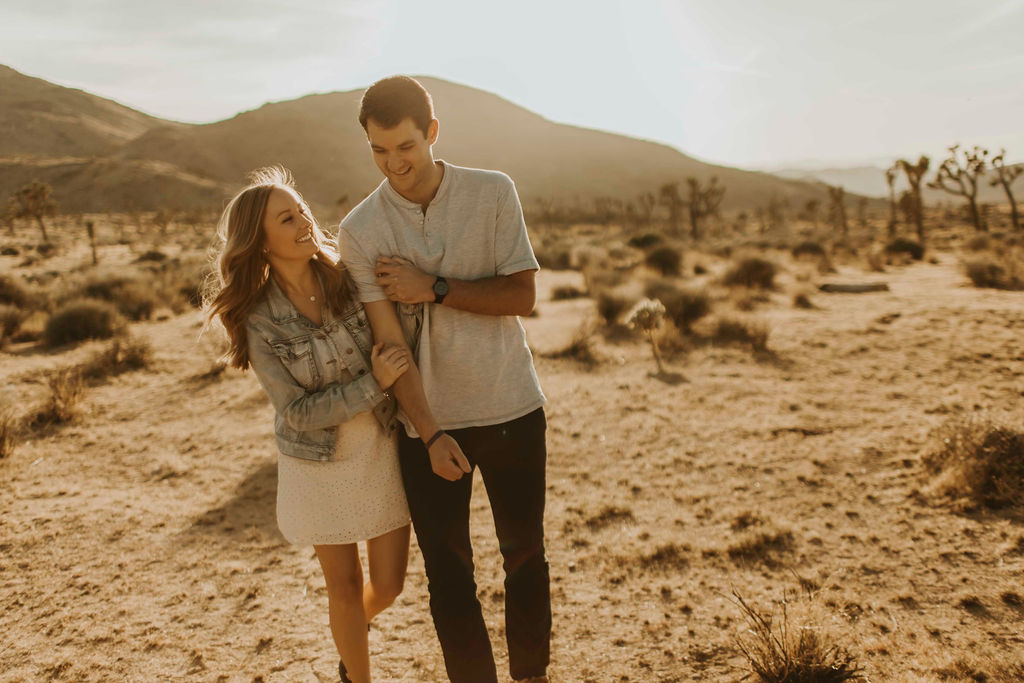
389 363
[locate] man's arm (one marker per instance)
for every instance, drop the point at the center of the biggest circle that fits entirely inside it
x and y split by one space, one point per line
446 457
514 294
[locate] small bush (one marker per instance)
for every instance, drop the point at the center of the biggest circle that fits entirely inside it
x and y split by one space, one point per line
665 260
10 251
981 461
808 249
8 432
11 318
152 256
135 299
12 292
46 249
611 306
124 353
978 243
683 307
751 272
646 240
761 546
555 258
80 320
566 292
66 390
902 245
580 349
995 272
744 332
802 301
778 652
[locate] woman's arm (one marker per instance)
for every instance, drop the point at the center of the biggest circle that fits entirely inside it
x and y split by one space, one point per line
306 411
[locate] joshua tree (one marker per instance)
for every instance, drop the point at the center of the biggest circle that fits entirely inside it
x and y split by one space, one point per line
890 180
704 202
670 198
862 211
959 174
777 212
915 174
34 201
8 213
1005 175
646 317
837 208
90 229
811 211
646 201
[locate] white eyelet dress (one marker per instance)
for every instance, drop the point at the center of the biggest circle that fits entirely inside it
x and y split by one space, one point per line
355 497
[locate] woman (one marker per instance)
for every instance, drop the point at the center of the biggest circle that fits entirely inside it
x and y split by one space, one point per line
291 315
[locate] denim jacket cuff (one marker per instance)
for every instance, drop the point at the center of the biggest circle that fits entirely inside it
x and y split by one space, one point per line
371 390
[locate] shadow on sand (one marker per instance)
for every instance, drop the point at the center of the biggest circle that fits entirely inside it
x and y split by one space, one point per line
251 507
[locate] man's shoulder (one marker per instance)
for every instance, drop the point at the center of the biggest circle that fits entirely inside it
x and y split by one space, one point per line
365 214
481 176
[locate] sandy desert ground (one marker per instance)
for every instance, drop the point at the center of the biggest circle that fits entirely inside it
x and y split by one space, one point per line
139 541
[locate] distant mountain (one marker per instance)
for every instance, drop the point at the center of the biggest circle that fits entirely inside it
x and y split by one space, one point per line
99 155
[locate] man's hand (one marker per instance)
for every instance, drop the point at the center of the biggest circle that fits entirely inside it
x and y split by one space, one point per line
403 282
447 460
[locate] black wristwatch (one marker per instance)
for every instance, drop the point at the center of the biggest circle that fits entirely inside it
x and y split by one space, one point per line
440 289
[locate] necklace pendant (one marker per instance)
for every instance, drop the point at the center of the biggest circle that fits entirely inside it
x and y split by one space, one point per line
312 298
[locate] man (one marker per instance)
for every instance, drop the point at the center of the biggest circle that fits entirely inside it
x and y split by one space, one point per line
453 239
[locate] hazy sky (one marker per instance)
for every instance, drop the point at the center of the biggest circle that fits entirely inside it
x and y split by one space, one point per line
742 83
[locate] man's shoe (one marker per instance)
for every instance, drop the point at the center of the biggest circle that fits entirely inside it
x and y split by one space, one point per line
343 672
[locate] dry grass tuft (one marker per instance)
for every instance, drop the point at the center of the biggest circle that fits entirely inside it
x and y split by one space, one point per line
11 318
778 651
80 320
981 461
801 300
566 292
580 349
751 333
609 514
996 271
667 557
751 272
761 546
8 432
683 307
66 391
124 353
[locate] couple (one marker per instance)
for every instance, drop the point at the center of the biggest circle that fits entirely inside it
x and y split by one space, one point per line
416 306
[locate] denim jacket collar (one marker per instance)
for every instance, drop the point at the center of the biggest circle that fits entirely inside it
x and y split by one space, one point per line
282 310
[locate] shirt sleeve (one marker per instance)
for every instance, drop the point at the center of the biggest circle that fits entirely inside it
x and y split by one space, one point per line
360 264
308 411
512 250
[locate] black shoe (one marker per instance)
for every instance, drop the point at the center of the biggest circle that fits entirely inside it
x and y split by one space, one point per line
343 672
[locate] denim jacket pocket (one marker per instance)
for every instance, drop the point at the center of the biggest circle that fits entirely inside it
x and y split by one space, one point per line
297 356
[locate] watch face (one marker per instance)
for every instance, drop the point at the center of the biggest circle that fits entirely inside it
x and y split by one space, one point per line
441 287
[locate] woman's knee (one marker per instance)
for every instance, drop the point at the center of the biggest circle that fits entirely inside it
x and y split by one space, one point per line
389 587
345 587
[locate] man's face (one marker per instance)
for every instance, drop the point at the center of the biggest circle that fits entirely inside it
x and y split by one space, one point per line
403 154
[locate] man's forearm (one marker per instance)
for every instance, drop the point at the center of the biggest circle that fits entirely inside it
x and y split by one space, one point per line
409 391
501 295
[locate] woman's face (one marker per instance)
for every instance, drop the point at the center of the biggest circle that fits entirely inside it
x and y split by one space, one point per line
288 227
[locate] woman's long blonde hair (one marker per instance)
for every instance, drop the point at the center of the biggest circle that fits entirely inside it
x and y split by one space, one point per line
242 272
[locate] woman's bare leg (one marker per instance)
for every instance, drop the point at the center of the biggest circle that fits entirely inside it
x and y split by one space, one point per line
388 558
344 578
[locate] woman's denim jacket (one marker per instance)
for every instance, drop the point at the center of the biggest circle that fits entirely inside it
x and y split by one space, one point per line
318 377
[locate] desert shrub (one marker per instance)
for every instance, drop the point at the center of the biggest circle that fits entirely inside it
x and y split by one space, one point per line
995 272
82 319
554 257
11 318
124 353
646 240
745 332
682 306
779 652
8 432
801 300
152 256
978 243
751 272
699 269
10 251
902 245
665 260
611 306
566 292
808 248
761 546
580 349
588 256
66 390
979 460
13 292
46 249
135 299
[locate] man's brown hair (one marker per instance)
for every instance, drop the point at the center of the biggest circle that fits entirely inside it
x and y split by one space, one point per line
390 100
